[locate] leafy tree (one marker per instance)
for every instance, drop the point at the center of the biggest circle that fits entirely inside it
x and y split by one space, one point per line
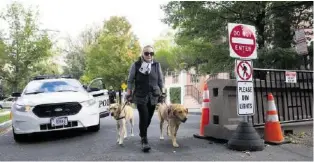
165 49
46 67
202 28
76 54
25 44
113 53
3 56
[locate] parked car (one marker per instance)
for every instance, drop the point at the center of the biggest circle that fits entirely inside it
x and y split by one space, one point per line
7 103
49 104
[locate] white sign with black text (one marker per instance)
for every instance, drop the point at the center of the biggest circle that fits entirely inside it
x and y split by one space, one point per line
245 93
291 77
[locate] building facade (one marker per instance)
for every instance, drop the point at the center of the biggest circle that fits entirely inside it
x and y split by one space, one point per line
191 85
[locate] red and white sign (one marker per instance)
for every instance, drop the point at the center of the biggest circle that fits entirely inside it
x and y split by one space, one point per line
242 41
244 70
291 77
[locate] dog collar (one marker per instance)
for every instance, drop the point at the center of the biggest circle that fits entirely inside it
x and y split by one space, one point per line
121 118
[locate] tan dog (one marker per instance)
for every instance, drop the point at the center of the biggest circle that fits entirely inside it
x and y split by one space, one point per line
174 114
122 115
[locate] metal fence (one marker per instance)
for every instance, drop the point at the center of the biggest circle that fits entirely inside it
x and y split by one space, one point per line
293 100
190 90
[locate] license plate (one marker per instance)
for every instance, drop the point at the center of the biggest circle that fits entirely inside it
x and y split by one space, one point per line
59 121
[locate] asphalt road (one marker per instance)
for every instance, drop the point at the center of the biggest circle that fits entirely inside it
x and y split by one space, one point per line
77 145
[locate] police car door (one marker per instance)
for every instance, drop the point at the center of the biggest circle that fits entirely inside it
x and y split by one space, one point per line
96 88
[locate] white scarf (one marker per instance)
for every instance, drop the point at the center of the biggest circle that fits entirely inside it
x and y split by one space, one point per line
146 67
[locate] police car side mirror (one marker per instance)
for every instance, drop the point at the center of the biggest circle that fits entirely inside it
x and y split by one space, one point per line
16 94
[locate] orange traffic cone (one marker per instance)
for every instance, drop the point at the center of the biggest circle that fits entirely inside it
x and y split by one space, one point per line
205 110
272 131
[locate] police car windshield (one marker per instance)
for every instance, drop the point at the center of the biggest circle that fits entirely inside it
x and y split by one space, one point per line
48 86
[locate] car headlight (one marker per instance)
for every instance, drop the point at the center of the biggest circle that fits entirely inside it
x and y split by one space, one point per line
23 108
90 102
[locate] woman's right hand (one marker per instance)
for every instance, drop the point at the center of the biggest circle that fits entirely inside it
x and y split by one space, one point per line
128 95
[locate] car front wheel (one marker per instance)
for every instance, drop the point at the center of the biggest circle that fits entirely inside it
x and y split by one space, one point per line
20 137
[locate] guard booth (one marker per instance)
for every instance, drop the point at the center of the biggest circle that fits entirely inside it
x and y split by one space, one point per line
294 100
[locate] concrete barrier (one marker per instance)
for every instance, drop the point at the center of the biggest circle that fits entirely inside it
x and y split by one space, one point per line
223 111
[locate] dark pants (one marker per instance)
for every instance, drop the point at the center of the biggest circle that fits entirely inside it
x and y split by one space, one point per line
146 113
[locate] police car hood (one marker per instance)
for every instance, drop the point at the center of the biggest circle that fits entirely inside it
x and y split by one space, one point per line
54 97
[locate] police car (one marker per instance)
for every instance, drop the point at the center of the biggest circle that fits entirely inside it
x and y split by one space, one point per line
50 103
7 103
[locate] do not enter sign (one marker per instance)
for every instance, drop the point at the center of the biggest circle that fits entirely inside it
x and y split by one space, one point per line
242 41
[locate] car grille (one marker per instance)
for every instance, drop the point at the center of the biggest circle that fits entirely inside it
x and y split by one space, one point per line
49 127
55 110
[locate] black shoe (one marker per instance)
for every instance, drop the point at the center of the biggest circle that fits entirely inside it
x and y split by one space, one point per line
145 145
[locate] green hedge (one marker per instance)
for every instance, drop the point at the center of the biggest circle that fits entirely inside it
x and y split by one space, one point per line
175 95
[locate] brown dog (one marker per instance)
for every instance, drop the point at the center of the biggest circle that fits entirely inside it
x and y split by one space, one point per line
122 115
174 114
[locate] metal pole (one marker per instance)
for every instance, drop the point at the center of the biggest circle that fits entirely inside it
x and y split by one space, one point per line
120 96
308 62
245 119
305 62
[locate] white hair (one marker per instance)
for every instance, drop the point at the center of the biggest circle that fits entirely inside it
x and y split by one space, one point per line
147 46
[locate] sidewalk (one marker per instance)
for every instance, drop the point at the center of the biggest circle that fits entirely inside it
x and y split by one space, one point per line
195 111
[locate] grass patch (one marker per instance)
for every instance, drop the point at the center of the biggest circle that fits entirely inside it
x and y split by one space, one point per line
4 118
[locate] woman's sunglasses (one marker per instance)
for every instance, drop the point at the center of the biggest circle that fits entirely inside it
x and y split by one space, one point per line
149 53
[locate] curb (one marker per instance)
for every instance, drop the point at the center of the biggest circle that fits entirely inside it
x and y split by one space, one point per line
5 125
195 113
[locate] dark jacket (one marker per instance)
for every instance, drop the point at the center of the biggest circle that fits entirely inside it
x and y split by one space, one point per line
112 96
147 87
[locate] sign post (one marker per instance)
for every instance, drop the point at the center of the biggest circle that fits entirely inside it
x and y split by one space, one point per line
242 46
123 86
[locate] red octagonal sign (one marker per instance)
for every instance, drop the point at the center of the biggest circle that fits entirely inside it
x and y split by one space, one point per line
242 40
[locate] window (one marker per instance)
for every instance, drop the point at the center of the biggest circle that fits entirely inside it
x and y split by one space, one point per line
10 99
195 78
47 86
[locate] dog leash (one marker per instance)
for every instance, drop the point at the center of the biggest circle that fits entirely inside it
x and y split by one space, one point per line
124 105
122 110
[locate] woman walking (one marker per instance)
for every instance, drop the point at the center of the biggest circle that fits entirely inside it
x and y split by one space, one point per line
147 77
